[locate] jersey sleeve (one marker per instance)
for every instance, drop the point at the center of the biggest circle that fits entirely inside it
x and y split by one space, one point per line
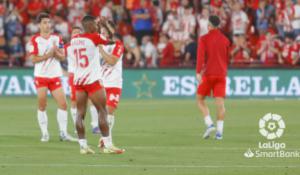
97 39
200 55
118 49
33 47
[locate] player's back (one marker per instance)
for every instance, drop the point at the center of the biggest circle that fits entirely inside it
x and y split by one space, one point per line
84 48
216 47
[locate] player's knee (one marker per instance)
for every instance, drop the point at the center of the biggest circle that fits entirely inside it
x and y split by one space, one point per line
42 106
63 106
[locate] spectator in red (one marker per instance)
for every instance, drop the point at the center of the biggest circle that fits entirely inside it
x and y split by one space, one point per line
124 26
21 6
290 51
240 52
95 6
57 6
269 50
166 52
3 49
35 7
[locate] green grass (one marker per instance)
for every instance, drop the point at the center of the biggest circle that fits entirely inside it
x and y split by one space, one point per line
161 137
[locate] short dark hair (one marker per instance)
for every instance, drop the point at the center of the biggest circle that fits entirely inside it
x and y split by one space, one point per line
214 20
86 20
42 16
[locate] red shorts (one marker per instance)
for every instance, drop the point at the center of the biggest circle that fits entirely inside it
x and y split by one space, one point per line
50 83
89 88
215 84
72 87
113 96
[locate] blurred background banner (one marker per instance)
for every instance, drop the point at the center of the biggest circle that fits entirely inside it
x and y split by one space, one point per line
174 83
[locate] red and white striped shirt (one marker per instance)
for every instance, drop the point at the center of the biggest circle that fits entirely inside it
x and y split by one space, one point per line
40 46
84 48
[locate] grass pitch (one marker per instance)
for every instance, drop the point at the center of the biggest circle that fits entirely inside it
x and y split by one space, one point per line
161 137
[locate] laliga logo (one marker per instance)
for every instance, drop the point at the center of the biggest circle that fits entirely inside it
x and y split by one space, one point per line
271 126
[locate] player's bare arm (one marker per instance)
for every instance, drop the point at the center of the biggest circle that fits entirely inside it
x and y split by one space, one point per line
109 59
37 59
59 54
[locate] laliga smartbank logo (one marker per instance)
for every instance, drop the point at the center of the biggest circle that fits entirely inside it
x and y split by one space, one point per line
271 127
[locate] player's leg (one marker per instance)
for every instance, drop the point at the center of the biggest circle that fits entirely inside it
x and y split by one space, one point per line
220 116
73 108
98 98
112 101
204 90
219 94
62 114
81 103
94 120
41 113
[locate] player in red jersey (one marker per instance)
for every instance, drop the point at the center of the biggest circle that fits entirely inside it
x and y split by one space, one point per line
87 83
211 71
111 73
46 53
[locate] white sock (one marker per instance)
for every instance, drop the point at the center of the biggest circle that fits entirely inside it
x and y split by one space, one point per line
73 114
43 121
207 120
111 121
62 120
107 141
220 124
94 116
82 143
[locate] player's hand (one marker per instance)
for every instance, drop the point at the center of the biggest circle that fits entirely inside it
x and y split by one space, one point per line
49 54
199 78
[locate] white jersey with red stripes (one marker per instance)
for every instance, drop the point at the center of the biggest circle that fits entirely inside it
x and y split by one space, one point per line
70 58
40 46
112 75
84 48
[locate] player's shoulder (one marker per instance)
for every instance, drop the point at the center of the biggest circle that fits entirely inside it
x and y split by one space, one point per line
94 37
35 37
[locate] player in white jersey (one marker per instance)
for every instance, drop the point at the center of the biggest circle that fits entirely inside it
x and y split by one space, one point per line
71 66
111 73
46 52
87 83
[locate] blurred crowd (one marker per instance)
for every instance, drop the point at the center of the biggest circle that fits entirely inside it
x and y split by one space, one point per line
164 33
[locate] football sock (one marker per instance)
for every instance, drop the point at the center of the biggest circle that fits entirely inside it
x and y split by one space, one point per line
43 121
73 114
107 141
94 116
220 124
208 121
82 143
62 120
111 121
